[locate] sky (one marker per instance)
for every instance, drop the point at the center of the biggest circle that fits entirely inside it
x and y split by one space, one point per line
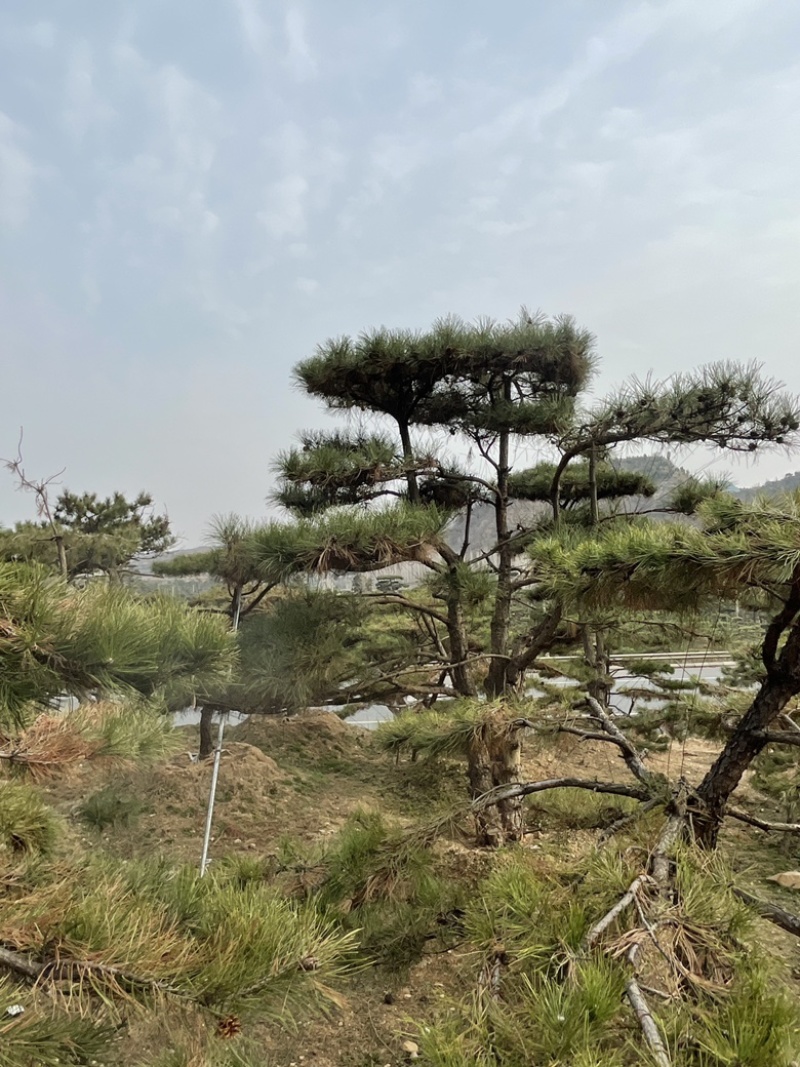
193 196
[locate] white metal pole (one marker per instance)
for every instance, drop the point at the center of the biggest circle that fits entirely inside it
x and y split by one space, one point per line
212 795
237 607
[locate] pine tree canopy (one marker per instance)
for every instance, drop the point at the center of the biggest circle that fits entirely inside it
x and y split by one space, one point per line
345 542
91 515
56 639
421 377
575 487
724 404
677 567
334 469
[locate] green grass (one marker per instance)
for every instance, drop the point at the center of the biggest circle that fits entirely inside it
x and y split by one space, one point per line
26 823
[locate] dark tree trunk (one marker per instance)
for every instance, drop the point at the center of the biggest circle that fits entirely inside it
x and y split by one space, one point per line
747 740
743 746
206 736
463 682
501 615
408 456
526 653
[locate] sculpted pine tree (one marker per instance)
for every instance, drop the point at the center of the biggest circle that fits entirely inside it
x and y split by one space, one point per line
498 392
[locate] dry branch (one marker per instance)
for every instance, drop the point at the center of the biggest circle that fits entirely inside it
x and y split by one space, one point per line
767 910
523 789
648 1024
763 824
624 902
633 760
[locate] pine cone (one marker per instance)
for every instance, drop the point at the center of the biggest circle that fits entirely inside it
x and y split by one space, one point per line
229 1027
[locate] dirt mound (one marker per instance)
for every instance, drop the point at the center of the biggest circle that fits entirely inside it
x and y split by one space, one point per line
252 796
245 774
308 736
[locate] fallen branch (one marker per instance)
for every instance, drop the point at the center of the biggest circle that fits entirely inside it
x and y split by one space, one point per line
763 824
650 1031
523 789
767 910
660 861
624 902
57 970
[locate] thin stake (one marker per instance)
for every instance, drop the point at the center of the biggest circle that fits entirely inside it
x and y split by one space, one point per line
211 796
237 607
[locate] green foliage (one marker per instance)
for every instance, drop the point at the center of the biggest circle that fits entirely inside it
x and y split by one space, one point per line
46 1037
755 1027
575 484
733 407
26 823
677 568
437 377
332 469
56 639
385 883
687 497
96 535
211 940
108 807
344 542
295 655
433 733
134 729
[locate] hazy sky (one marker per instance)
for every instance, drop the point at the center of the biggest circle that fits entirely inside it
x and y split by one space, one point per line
192 195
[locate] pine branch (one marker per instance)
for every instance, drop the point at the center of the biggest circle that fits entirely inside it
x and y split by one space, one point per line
763 824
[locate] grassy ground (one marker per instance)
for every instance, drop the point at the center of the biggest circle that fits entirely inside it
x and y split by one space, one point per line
311 808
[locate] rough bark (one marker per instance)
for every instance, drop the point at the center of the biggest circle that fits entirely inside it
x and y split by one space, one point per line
408 456
206 735
493 761
530 648
501 613
463 682
749 736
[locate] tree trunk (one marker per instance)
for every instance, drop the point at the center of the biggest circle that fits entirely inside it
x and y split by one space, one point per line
408 456
493 760
747 740
501 615
206 736
743 746
529 649
62 556
459 645
596 658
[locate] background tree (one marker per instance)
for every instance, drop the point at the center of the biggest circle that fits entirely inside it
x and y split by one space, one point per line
83 534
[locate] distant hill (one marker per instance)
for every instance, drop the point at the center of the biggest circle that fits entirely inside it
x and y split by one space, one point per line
787 484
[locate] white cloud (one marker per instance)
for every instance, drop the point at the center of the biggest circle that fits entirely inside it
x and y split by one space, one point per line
17 172
306 169
285 213
300 59
254 26
84 107
308 286
424 90
43 34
